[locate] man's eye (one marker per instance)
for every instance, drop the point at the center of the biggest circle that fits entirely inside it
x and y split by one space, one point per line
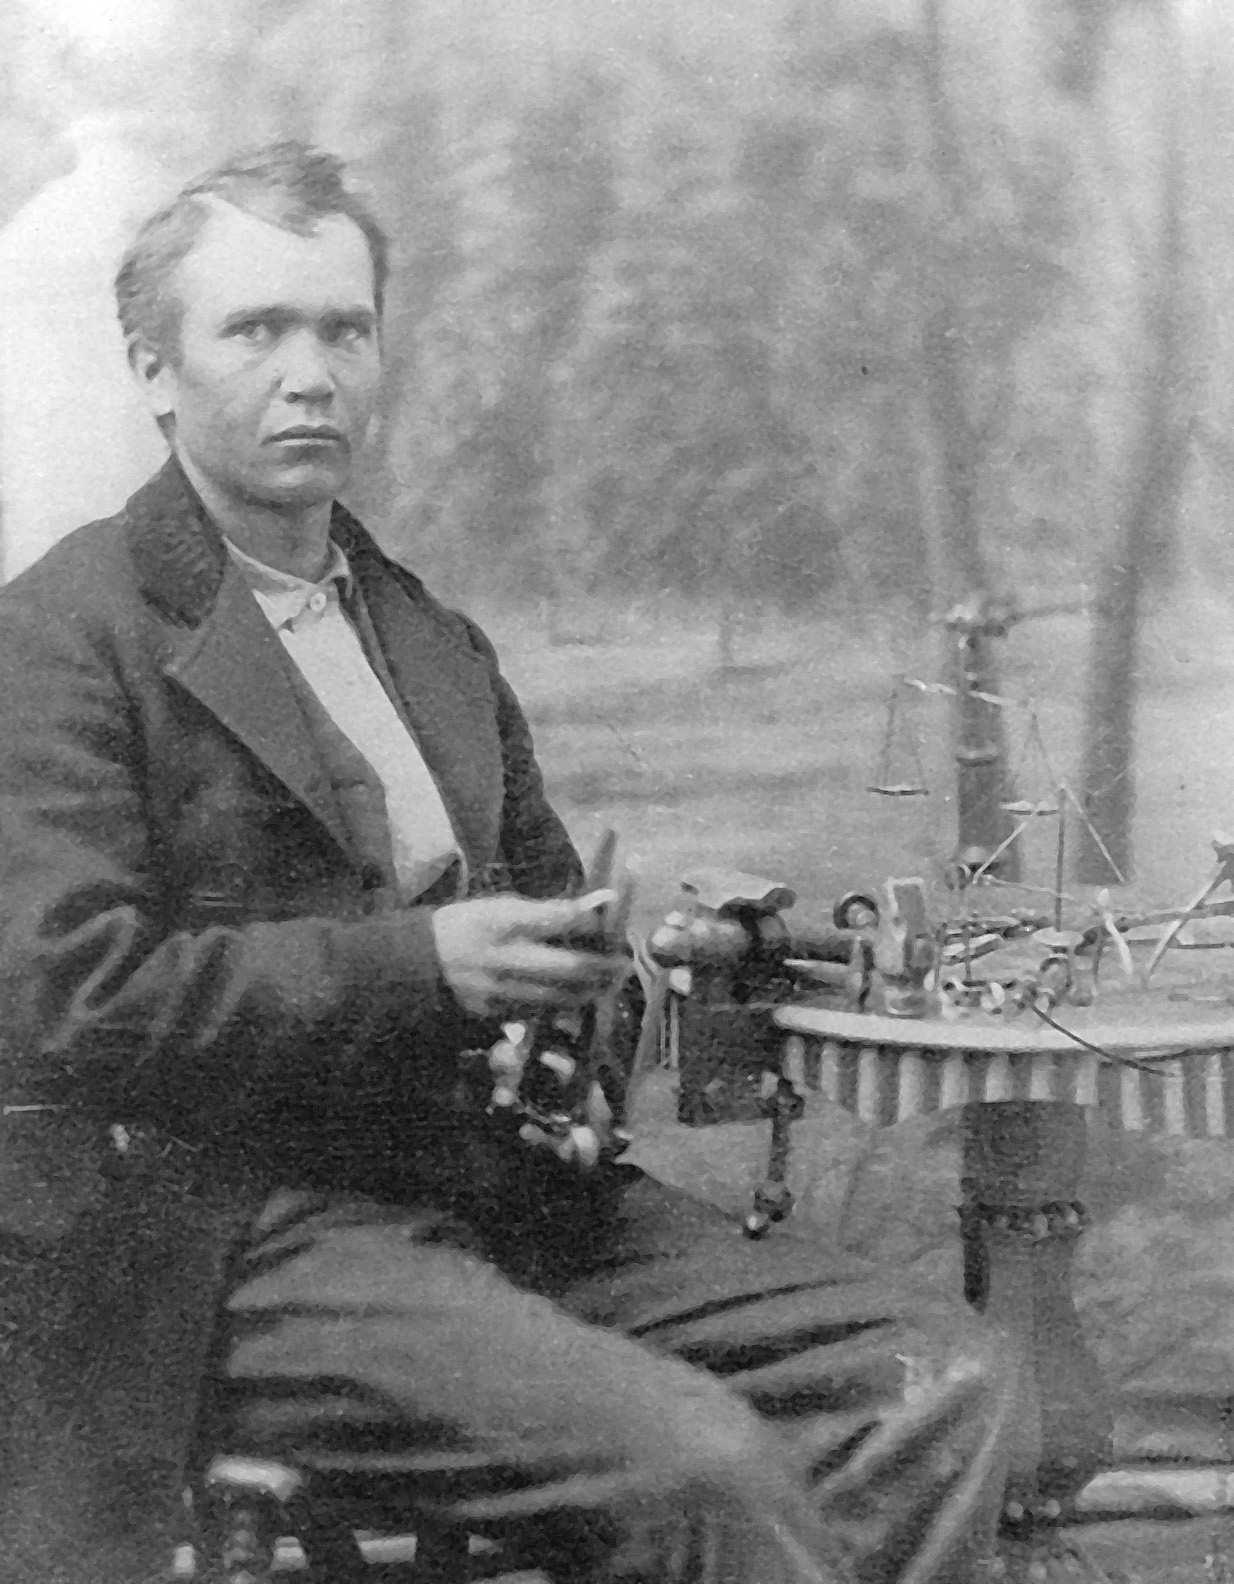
254 331
344 332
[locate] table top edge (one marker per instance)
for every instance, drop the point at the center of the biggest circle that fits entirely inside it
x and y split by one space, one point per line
924 1034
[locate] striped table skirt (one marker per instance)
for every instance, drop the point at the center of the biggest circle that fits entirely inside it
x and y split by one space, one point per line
886 1071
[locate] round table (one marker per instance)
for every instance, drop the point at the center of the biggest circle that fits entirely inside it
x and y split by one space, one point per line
1023 1086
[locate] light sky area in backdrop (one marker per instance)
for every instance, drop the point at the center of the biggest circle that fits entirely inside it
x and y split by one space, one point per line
113 23
118 20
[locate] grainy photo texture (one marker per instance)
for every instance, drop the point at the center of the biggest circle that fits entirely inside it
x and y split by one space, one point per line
616 683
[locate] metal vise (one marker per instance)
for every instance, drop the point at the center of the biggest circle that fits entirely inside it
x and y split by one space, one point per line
730 920
730 951
726 944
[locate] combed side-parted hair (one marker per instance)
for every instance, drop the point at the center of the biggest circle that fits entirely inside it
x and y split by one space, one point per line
289 184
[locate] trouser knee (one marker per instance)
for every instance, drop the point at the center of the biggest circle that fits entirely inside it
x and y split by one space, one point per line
723 1447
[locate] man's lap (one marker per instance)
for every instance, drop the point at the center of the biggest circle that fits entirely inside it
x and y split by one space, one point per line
398 1326
409 1302
675 1276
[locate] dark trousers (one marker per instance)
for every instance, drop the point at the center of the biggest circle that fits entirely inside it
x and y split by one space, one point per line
669 1400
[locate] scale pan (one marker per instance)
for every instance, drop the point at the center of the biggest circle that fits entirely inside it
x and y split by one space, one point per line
1023 806
900 789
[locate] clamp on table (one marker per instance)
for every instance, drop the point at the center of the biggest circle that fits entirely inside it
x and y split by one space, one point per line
734 956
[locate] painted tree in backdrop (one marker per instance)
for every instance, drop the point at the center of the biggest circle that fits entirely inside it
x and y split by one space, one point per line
959 220
1143 546
525 197
679 457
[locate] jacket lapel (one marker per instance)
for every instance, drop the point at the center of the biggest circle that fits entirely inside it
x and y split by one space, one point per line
223 651
236 666
220 647
446 692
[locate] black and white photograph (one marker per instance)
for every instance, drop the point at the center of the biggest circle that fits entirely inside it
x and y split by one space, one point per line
617 792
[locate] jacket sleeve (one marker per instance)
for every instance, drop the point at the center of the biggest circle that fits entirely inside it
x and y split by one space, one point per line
98 995
536 851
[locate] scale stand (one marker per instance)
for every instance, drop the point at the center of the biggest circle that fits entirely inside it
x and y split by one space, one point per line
980 752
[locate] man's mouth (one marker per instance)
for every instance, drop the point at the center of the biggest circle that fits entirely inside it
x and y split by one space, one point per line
308 434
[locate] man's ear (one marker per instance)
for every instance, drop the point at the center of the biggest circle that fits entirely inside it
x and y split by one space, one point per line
153 376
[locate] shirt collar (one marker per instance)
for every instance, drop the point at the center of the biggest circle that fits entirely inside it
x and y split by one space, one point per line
284 596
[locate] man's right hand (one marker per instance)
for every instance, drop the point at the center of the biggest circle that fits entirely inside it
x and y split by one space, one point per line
505 954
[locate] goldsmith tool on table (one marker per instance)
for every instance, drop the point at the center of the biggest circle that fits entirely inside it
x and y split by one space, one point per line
732 958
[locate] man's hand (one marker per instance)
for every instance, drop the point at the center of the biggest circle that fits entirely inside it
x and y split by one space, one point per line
505 954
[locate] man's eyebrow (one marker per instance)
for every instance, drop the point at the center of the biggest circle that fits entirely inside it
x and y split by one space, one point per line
260 311
285 313
360 314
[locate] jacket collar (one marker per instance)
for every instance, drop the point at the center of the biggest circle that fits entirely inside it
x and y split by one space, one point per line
220 647
287 599
179 554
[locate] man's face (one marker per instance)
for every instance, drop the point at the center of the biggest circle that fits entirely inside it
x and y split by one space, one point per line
279 358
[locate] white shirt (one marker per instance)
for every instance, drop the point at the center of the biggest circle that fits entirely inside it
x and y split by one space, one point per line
316 633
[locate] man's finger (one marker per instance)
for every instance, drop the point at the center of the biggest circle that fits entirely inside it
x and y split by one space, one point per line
554 965
527 996
522 995
543 920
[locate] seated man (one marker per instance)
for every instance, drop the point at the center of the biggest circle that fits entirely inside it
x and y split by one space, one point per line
274 840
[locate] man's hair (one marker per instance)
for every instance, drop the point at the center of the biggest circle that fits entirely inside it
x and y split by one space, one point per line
289 184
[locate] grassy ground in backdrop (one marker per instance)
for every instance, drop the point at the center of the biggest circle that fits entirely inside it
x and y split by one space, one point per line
766 764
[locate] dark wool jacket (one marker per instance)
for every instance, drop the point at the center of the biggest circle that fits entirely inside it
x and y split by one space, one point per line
199 943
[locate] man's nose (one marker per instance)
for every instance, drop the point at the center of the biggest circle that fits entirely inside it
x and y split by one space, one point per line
307 375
